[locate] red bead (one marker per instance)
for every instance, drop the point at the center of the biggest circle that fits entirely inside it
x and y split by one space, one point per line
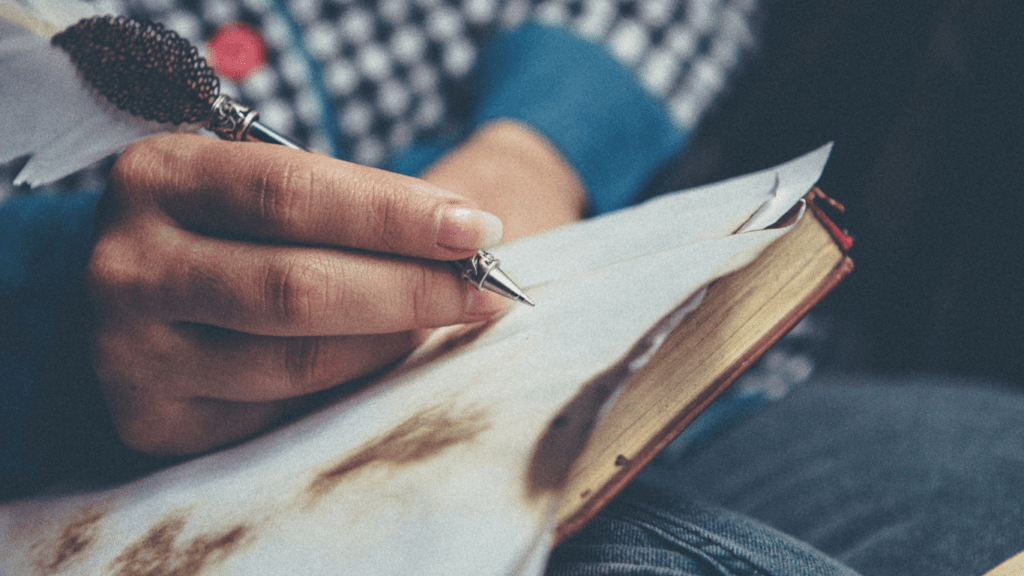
236 51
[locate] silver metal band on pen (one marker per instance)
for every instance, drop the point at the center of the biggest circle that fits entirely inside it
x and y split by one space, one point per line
233 121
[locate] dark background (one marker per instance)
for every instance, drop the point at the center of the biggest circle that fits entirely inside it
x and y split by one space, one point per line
923 100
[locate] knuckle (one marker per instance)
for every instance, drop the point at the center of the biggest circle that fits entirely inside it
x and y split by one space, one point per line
113 273
141 167
284 195
140 432
304 368
137 155
131 397
385 218
134 358
297 289
424 309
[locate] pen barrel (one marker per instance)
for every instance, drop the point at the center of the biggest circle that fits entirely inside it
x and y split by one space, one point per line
231 120
259 131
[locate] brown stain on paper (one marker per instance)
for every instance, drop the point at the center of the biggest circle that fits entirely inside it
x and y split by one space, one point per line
454 339
567 433
424 435
74 540
161 553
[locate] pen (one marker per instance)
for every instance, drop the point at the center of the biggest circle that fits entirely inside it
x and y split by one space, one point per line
182 88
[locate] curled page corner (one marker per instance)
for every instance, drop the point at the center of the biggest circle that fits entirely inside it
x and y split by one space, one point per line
793 180
684 217
756 221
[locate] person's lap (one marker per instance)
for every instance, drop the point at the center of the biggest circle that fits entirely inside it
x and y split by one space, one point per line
888 476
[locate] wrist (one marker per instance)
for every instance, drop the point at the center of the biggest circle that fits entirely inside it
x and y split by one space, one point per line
513 172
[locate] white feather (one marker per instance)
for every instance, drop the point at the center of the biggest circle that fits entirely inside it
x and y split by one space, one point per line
53 14
16 18
49 113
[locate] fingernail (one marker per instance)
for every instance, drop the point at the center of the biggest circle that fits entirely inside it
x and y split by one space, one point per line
483 303
468 229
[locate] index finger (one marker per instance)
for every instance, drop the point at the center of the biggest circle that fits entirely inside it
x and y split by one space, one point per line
279 194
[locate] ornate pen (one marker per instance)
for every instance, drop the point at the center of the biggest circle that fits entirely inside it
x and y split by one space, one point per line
152 72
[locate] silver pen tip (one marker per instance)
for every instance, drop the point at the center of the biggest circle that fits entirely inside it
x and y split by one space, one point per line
483 272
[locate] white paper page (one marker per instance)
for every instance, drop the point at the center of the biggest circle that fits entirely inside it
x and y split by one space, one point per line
678 219
449 464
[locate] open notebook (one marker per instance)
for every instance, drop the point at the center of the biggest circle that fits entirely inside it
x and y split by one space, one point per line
457 460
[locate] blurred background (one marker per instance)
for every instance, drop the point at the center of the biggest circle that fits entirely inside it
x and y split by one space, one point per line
923 100
921 97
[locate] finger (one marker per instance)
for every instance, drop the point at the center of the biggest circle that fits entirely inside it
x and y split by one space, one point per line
272 192
180 427
142 367
229 365
311 291
162 382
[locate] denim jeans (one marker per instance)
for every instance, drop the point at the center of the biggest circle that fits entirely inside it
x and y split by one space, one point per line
847 475
644 532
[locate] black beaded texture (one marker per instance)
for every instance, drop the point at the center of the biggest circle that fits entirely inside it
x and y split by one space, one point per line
142 68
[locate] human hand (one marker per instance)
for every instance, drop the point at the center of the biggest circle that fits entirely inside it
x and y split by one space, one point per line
229 279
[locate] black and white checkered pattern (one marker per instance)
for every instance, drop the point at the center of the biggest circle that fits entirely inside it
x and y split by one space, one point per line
361 78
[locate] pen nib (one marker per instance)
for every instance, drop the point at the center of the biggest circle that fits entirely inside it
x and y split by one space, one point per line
482 271
498 281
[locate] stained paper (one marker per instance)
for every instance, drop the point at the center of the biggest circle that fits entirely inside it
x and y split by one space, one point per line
452 462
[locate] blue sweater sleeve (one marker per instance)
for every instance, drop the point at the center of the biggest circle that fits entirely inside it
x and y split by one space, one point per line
44 244
583 101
